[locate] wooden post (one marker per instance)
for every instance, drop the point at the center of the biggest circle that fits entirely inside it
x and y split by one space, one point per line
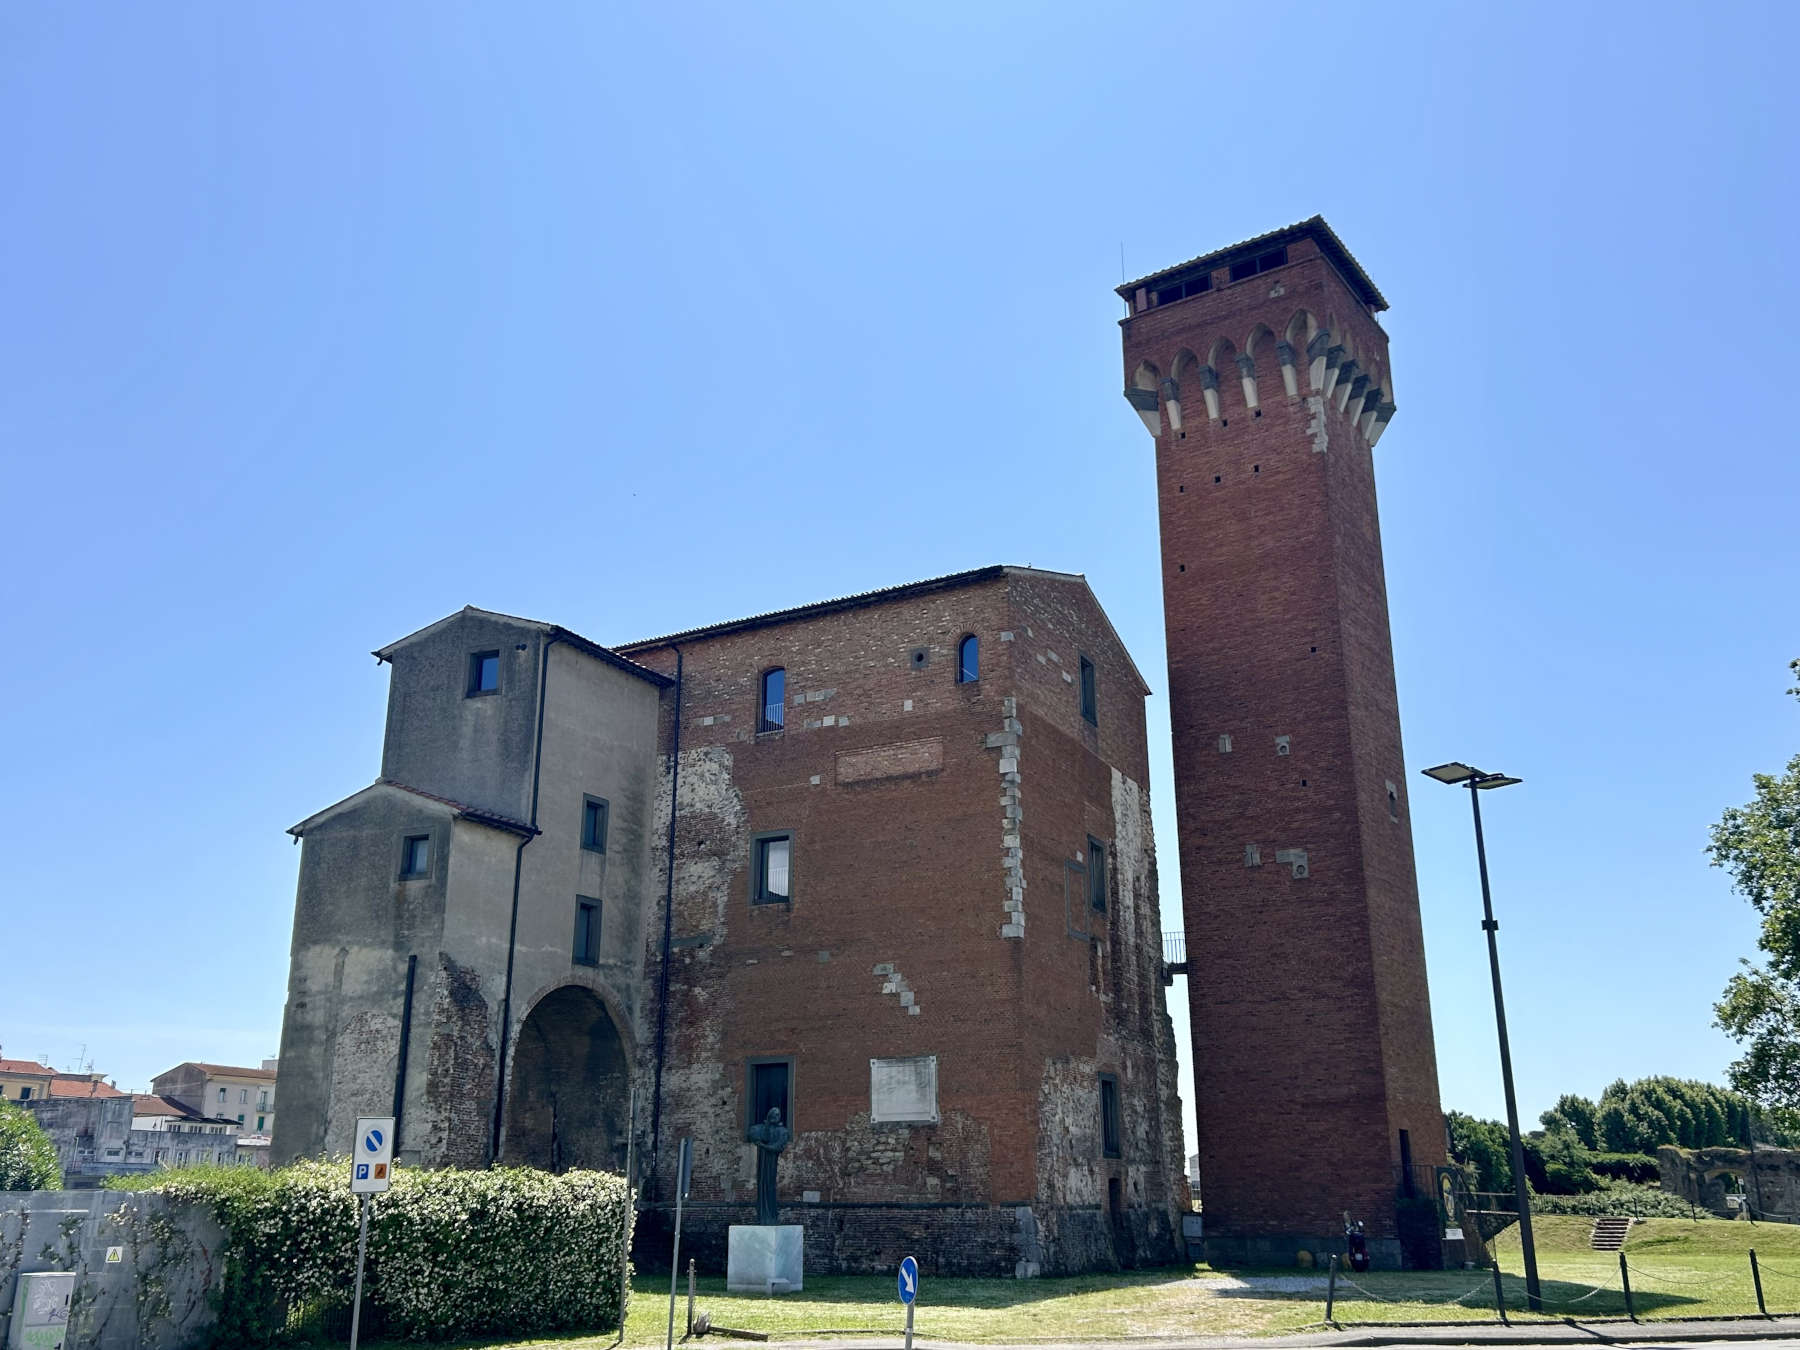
1499 1296
1331 1287
1625 1280
1756 1276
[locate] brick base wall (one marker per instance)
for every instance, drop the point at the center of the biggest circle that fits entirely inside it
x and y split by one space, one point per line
988 1241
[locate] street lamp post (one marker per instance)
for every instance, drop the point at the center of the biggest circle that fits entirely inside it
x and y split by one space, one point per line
1462 775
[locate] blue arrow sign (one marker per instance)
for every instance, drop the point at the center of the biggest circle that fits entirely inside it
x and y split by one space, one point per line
372 1141
909 1280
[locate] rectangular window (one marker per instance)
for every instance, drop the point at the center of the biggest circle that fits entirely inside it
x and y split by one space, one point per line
484 673
243 1096
593 824
587 931
261 1123
221 1094
773 715
1109 1116
240 1117
773 863
1263 262
1090 702
1096 875
770 1088
415 859
903 1090
24 1094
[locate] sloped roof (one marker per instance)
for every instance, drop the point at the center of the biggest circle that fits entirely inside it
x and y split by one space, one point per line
26 1068
885 595
461 810
224 1070
553 630
1313 228
65 1085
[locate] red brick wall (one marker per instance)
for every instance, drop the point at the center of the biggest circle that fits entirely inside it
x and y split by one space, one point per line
898 862
1311 1020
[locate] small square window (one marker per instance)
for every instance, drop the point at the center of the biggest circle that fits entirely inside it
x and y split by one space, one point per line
773 880
1096 873
1110 1133
484 673
1090 710
587 931
593 824
415 856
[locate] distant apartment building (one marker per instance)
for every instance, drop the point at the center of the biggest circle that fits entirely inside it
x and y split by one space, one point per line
244 1095
23 1080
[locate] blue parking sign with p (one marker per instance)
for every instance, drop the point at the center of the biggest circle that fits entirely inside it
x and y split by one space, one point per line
362 1171
371 1168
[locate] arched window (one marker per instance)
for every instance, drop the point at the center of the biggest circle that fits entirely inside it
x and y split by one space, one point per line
968 660
774 700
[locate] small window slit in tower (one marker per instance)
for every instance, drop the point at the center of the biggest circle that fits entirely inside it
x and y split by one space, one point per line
1215 478
1256 468
1182 566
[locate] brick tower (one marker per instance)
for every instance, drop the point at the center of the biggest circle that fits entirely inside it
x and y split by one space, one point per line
1263 376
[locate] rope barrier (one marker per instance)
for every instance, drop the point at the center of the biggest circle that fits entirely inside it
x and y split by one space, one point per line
1717 1282
1581 1298
1395 1302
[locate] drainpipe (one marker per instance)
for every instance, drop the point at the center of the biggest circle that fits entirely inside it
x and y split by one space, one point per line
412 970
512 932
662 993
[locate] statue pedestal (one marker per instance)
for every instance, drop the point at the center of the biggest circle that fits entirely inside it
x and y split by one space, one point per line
764 1258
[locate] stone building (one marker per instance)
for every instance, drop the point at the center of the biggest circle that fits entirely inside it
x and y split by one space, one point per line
100 1135
1263 375
912 905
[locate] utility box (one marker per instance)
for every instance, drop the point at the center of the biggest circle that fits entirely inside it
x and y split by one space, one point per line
40 1314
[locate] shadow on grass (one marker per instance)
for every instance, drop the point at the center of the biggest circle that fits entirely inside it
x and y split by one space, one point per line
948 1291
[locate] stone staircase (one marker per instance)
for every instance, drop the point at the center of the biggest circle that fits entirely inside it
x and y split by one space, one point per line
1609 1233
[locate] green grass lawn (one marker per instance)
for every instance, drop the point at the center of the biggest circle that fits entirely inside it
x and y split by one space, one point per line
1679 1268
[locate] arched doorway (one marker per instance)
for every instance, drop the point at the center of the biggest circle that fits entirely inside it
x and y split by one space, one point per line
571 1086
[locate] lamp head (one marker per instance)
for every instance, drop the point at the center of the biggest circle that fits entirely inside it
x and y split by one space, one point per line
1452 773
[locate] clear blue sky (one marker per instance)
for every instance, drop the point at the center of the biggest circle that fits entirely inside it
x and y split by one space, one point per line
321 323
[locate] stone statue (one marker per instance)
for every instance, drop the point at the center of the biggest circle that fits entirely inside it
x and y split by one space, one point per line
770 1137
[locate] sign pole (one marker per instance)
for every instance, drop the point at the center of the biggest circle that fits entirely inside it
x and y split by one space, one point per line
684 1170
909 1292
362 1249
630 1210
371 1168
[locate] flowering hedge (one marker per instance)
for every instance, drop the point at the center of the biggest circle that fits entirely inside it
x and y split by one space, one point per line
451 1253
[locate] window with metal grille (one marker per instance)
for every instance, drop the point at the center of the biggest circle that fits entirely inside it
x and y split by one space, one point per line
773 715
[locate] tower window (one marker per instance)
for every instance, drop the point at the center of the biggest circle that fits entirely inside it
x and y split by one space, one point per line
415 856
587 931
968 660
1262 262
1110 1133
593 824
1096 875
484 673
774 700
1089 701
1181 290
772 883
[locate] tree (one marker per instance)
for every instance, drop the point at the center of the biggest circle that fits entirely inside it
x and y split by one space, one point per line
1575 1114
27 1157
1759 845
1484 1150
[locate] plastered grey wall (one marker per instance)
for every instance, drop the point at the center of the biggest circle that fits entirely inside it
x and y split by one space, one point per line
154 1296
476 750
357 921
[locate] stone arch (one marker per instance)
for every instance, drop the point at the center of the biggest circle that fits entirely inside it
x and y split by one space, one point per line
1143 392
1192 373
569 1099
